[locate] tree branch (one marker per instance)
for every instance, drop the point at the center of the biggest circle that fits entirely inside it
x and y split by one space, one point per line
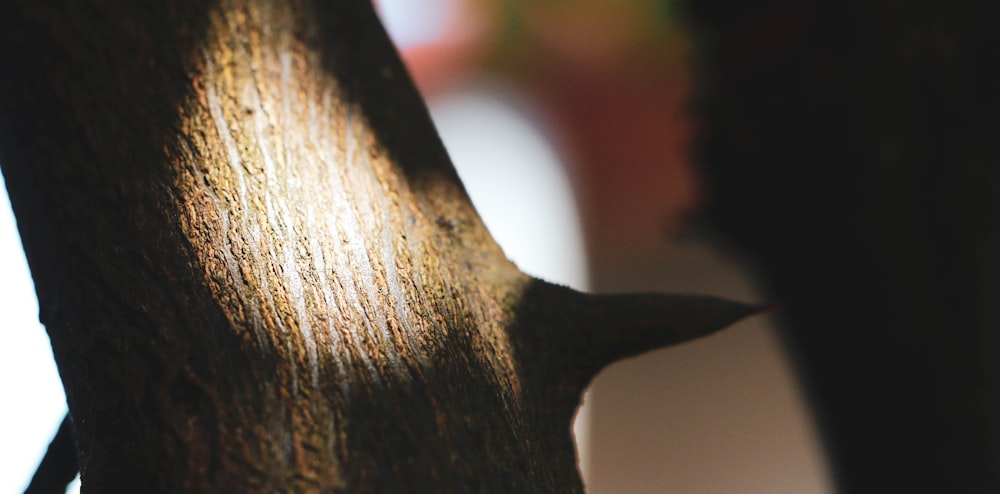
260 273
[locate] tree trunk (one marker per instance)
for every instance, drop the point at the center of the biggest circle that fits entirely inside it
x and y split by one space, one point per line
260 273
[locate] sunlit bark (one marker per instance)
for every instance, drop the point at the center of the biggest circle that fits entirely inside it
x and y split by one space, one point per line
260 272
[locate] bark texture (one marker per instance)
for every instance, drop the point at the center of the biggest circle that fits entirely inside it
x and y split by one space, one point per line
260 272
853 151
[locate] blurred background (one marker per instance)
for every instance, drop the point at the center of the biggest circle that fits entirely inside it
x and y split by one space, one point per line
571 125
599 97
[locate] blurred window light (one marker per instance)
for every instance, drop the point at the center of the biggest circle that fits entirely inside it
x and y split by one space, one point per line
412 23
29 383
516 180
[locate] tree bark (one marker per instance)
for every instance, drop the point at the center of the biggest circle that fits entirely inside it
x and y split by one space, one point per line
260 273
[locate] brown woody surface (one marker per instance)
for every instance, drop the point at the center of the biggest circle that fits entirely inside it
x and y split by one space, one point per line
260 272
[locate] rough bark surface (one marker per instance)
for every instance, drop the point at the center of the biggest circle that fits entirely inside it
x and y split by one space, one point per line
260 273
